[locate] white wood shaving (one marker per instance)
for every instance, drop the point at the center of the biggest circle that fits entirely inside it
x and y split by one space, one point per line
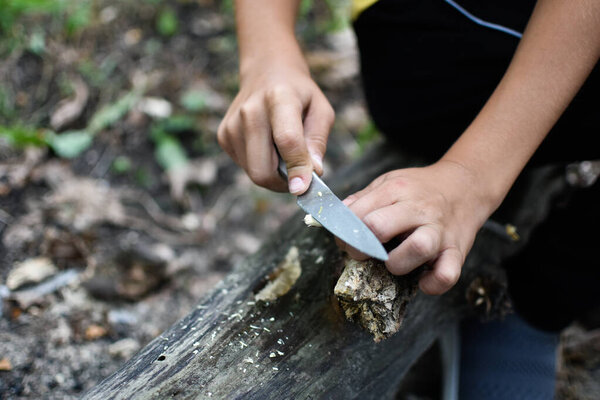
309 220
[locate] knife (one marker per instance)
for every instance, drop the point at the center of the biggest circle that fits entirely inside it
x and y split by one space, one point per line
320 202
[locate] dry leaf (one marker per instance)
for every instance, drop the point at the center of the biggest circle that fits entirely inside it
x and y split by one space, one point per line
94 332
69 110
33 270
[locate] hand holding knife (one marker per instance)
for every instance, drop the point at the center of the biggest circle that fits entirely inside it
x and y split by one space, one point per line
325 207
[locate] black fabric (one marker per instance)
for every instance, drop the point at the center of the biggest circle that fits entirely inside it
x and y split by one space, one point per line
427 71
557 276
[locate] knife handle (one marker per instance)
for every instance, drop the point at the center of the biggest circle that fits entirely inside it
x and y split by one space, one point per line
281 167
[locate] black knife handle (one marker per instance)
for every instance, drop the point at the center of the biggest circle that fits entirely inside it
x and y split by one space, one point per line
281 167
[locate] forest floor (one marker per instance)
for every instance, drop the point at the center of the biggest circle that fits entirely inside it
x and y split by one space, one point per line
118 209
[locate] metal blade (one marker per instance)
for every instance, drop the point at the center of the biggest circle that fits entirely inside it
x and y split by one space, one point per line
320 202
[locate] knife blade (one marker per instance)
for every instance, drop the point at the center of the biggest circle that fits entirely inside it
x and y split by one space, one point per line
320 202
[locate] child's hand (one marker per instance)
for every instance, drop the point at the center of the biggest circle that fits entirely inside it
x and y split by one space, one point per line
439 210
278 105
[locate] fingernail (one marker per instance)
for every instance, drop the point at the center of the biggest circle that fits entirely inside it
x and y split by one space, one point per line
317 160
296 185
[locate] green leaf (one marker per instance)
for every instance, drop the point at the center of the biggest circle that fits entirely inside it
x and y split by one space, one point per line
194 100
121 164
79 17
20 136
169 153
7 103
367 135
112 113
37 43
174 124
178 124
70 144
305 7
167 23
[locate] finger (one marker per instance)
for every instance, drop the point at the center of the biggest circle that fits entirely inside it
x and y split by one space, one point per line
285 113
419 247
445 273
223 136
391 221
368 200
317 124
232 140
352 252
261 158
361 193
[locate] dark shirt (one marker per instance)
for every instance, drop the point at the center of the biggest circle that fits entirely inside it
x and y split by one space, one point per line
427 71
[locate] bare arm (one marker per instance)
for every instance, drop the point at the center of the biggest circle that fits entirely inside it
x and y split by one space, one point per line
559 48
265 32
443 205
278 102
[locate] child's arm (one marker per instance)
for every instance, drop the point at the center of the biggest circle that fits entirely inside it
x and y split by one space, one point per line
278 102
445 204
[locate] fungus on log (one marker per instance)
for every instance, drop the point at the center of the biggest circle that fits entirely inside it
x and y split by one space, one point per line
300 344
370 295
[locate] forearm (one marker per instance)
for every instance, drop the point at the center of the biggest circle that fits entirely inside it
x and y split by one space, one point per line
557 52
265 31
279 108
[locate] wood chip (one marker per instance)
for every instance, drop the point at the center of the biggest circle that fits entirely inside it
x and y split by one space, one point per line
5 365
94 332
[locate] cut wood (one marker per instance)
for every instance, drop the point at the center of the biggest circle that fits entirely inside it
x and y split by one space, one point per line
300 345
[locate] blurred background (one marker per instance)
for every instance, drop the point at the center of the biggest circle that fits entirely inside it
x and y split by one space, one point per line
118 209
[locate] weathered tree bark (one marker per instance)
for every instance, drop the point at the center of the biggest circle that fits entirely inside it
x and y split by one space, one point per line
300 345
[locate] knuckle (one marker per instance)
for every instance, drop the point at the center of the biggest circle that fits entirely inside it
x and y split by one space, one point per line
222 135
277 92
395 185
374 220
298 167
288 140
397 265
348 201
248 110
230 128
329 115
260 177
221 130
446 277
422 244
318 142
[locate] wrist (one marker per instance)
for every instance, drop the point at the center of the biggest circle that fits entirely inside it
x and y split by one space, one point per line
283 54
473 189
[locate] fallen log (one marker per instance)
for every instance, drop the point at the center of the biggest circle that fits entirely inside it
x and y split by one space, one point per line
300 344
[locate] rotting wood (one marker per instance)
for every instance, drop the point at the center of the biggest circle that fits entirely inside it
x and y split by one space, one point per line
374 298
300 345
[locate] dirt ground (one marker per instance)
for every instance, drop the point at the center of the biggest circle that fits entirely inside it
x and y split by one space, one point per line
105 243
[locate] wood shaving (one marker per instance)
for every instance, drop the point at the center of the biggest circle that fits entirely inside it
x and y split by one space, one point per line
309 220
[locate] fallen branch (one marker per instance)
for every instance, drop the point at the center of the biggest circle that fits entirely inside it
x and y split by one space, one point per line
300 344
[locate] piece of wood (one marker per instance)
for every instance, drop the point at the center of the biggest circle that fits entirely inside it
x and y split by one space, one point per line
300 345
374 298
